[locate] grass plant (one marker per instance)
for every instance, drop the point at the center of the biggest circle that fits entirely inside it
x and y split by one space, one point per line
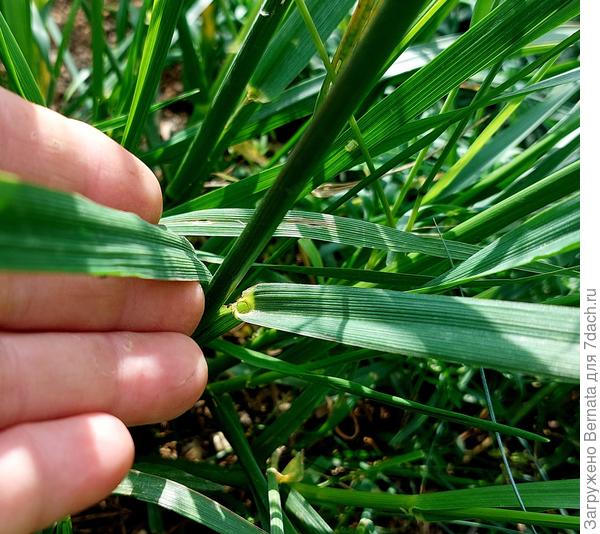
379 200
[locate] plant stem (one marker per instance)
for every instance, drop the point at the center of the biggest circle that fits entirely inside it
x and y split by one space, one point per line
356 79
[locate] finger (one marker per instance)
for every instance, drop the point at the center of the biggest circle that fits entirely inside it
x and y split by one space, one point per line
139 378
51 469
84 303
48 149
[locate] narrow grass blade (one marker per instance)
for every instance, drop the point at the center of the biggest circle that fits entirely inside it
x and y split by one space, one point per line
292 47
158 40
551 232
354 388
172 472
508 336
121 120
63 47
16 65
96 16
184 501
51 231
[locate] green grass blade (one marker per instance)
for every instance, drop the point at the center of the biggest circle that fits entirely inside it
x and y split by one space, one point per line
551 232
18 16
483 152
16 65
118 122
96 16
509 336
174 473
51 231
292 46
162 25
184 501
330 228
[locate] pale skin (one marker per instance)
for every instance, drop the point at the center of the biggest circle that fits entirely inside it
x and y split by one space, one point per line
82 357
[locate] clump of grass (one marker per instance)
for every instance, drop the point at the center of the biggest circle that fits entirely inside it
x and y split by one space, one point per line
380 203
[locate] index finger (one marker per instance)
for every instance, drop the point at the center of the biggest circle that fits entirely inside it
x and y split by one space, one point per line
45 148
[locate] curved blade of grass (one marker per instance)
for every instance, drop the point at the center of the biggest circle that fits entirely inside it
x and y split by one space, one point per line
551 232
51 231
212 475
184 501
354 388
172 472
121 120
162 25
304 224
16 65
508 336
196 164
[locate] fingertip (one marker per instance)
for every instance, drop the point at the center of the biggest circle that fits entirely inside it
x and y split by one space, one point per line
54 468
153 205
119 179
177 382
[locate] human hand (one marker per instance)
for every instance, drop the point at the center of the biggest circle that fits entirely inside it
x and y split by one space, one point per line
80 357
